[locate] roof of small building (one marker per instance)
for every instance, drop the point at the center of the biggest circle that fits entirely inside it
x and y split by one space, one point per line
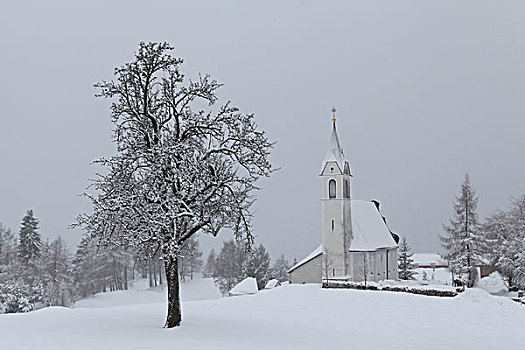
246 286
427 259
369 231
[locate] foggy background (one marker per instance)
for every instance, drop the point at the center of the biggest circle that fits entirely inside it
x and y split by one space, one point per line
425 91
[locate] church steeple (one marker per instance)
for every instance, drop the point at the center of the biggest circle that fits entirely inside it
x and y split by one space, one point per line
336 207
335 151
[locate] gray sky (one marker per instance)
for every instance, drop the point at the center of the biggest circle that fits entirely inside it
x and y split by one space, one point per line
425 90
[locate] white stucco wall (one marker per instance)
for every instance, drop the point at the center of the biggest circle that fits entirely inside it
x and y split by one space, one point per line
336 237
309 272
377 265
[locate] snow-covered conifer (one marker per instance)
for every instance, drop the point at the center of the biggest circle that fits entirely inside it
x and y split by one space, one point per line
209 268
30 240
405 263
461 238
257 264
280 269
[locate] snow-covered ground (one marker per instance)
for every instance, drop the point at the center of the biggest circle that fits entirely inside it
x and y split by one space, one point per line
287 317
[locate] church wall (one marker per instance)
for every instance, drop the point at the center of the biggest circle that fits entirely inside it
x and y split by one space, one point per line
336 221
309 272
376 265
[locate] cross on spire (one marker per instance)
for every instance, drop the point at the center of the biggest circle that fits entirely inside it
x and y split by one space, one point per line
333 113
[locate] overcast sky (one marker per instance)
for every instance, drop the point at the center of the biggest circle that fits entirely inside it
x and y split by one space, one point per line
425 90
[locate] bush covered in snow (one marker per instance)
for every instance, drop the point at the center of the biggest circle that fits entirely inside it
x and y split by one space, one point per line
493 284
392 286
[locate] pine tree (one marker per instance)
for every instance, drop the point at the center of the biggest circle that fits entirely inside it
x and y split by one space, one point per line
8 249
229 265
57 274
209 268
280 269
406 264
257 265
30 241
190 261
461 238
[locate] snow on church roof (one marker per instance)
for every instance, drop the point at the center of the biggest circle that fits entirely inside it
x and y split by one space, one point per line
335 151
369 231
309 257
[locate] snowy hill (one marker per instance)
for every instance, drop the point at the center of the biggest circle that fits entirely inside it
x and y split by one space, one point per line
287 317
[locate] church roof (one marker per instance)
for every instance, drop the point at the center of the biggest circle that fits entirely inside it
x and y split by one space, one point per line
369 231
317 251
335 151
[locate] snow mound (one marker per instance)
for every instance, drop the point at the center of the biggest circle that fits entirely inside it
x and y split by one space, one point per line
493 284
272 284
246 286
479 296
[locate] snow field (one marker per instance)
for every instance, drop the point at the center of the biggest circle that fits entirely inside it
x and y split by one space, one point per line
287 317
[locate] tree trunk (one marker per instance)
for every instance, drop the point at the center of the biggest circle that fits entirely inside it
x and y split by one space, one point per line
172 281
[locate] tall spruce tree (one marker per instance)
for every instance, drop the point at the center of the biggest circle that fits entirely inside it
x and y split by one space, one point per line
461 237
406 264
30 241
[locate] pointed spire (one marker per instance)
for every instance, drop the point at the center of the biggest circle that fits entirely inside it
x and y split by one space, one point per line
335 151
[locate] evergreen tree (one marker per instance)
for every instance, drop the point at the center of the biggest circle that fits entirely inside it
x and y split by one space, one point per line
209 268
58 279
229 265
280 269
30 241
8 249
257 264
406 264
190 261
462 236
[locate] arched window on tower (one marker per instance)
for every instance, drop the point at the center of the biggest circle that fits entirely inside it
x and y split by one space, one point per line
331 189
346 188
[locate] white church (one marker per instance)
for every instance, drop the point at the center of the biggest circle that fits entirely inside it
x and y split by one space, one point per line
356 240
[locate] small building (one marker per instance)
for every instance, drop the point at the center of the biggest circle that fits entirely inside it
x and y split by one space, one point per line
356 241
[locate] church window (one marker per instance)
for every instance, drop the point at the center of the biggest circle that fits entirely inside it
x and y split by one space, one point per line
333 272
346 188
333 224
331 189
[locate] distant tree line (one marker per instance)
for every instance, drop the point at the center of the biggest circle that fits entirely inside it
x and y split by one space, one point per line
35 273
235 262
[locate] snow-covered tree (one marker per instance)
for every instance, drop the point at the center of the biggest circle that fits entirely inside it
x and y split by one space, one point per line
183 165
257 264
229 265
57 274
190 259
280 269
405 262
8 249
461 238
209 268
30 240
504 233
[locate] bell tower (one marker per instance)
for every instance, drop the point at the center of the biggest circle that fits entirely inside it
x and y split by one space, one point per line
336 208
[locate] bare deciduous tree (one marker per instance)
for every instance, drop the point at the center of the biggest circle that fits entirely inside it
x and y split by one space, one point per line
184 164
